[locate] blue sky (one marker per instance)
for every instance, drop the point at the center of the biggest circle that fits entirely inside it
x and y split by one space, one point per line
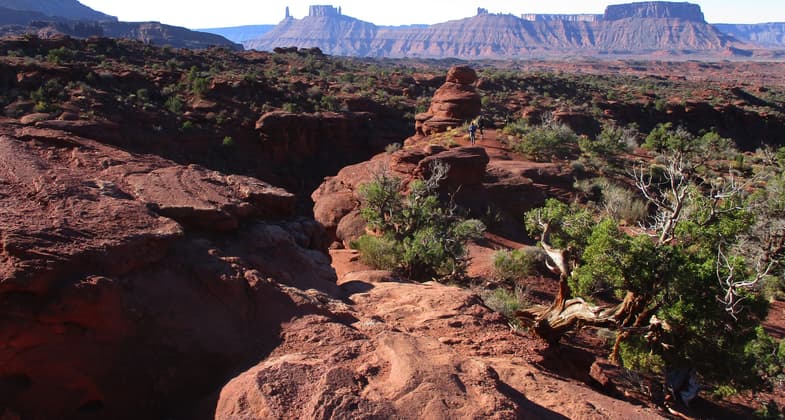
211 13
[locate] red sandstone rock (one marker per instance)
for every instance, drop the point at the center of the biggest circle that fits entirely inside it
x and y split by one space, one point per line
463 75
99 130
195 196
456 102
467 165
31 119
110 310
413 351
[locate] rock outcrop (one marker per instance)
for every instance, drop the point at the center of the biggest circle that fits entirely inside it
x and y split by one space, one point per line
475 183
118 296
412 351
454 103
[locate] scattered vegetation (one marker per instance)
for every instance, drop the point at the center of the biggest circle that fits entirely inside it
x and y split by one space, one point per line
511 266
689 280
550 140
416 233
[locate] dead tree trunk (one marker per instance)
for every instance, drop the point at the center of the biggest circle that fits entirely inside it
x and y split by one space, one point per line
565 314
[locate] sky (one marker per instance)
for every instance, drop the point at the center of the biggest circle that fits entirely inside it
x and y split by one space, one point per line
196 14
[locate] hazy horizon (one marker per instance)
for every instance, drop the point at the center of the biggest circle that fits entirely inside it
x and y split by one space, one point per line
204 14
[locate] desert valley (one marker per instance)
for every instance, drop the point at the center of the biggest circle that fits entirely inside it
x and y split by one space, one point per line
535 216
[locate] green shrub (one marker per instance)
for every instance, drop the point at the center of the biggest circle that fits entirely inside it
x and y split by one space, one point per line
330 103
60 55
431 237
174 104
503 301
228 141
546 142
636 356
617 200
509 266
724 391
378 252
199 86
613 140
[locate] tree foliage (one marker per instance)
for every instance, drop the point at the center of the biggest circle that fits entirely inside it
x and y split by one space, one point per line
690 280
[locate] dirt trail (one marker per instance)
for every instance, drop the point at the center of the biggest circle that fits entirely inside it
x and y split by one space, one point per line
455 323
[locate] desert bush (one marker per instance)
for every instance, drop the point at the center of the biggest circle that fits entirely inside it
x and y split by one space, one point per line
378 252
692 280
544 142
174 104
503 301
289 107
641 361
429 237
664 138
616 200
613 140
330 103
60 55
199 86
509 266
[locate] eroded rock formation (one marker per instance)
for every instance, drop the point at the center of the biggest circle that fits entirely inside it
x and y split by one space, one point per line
453 104
117 299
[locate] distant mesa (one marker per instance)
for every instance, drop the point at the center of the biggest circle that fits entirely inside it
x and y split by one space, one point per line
655 9
635 29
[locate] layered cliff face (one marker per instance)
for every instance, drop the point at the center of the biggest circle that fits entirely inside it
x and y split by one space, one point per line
638 28
68 9
655 9
630 35
335 34
764 34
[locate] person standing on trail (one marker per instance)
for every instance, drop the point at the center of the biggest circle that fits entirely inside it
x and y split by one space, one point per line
472 132
481 126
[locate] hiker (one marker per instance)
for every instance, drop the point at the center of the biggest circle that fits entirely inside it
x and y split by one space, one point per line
472 132
481 125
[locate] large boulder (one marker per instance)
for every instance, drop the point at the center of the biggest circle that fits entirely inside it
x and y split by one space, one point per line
467 165
207 199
